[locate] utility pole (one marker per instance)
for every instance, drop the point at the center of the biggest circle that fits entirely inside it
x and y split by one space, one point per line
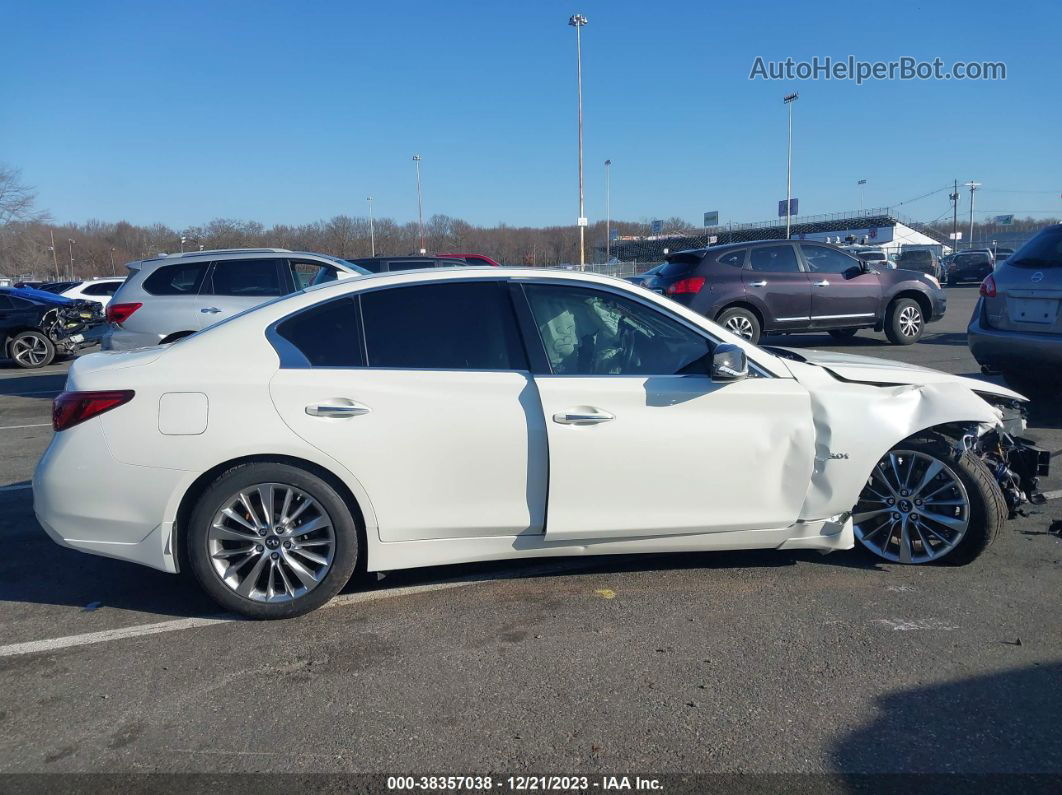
372 229
955 216
71 241
420 206
577 21
113 271
973 186
789 99
608 211
55 259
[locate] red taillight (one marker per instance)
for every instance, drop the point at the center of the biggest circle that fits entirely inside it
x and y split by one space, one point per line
71 408
690 285
988 287
119 313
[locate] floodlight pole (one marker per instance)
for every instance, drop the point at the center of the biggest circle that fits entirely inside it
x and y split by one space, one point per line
789 99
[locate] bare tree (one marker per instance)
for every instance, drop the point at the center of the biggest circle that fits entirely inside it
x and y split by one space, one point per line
16 198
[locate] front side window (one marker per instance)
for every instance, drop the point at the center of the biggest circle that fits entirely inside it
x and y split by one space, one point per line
183 279
246 278
826 260
307 274
449 326
774 259
591 332
327 334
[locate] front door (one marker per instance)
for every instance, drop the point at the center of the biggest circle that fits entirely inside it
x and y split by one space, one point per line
423 394
842 294
642 442
776 284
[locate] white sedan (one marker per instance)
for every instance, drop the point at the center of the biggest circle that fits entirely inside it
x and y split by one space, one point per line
422 418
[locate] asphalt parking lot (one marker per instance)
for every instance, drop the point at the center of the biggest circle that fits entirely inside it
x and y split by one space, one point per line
752 662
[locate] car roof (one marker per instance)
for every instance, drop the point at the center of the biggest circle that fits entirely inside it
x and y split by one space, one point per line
230 253
745 244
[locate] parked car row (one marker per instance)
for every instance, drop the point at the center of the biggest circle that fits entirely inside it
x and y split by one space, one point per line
275 452
781 286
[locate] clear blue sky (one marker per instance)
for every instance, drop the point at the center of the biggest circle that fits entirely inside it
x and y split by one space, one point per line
288 112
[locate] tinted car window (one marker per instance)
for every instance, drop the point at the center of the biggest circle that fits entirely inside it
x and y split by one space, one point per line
734 258
774 259
307 274
183 279
591 332
1043 251
245 277
20 303
327 335
409 265
467 326
5 302
826 260
101 288
677 267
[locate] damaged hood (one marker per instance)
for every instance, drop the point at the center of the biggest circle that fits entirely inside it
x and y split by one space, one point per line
871 370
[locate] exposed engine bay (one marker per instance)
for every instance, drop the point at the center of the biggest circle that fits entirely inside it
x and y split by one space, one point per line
65 325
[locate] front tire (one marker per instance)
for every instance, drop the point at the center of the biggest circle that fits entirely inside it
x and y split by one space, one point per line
31 350
904 322
270 540
924 503
742 322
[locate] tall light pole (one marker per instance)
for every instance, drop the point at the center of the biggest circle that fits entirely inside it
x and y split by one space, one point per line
372 229
608 211
973 186
70 240
861 183
55 258
420 206
577 21
789 99
113 271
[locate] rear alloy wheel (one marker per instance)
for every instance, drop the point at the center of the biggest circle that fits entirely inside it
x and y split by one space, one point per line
843 333
924 504
272 541
741 322
905 322
31 349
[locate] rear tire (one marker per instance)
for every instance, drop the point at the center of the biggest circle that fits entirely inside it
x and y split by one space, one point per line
742 322
951 517
843 333
267 564
31 350
904 322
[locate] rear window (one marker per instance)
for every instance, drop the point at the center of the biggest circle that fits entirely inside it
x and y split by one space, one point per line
1043 251
182 279
916 256
677 267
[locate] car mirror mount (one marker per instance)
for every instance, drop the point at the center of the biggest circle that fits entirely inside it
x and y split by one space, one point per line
729 363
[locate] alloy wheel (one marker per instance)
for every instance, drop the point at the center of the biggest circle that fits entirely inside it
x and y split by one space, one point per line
910 321
271 542
739 325
914 508
30 351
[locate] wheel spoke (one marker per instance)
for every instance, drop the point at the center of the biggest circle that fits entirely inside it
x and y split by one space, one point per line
859 518
250 511
905 541
265 494
318 559
948 521
305 575
308 527
229 534
251 579
931 472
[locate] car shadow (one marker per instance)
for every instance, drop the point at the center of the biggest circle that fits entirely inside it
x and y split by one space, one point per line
1001 723
944 338
34 570
822 340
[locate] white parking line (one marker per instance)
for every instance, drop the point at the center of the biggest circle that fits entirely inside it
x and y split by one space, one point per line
140 630
16 427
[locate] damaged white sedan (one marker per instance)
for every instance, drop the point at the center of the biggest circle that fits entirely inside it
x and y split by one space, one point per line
414 419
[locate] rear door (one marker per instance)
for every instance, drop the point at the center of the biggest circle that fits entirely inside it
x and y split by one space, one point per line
842 295
169 295
233 285
774 277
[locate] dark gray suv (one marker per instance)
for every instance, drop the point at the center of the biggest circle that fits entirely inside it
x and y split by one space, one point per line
781 286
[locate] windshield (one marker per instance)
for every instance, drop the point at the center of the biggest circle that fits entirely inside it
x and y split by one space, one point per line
1043 251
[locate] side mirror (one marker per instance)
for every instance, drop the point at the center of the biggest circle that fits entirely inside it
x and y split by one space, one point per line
729 363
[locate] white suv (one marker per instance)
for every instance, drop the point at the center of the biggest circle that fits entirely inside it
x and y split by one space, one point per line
175 295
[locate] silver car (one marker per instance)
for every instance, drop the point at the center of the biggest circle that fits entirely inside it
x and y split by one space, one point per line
175 295
1016 328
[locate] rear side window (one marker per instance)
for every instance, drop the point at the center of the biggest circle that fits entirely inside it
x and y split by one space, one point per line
468 326
327 335
249 278
774 259
735 259
307 274
101 288
182 279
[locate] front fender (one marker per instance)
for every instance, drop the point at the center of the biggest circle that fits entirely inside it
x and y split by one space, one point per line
856 424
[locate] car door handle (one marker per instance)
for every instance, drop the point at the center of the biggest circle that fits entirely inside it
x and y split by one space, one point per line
582 416
337 410
823 283
209 310
760 283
